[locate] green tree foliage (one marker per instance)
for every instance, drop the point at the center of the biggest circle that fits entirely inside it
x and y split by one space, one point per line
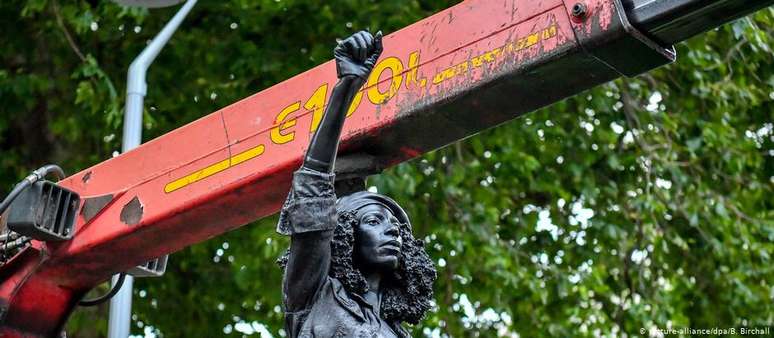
643 202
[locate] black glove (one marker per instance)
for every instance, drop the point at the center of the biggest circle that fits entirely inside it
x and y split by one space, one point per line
357 54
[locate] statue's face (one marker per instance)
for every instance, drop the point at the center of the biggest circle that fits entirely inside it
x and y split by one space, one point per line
377 240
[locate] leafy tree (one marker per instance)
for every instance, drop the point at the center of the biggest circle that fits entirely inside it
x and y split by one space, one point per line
643 202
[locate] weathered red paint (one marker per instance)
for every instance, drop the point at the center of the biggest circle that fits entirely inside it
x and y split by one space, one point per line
461 85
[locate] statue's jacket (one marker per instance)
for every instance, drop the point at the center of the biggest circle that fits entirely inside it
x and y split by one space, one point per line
328 309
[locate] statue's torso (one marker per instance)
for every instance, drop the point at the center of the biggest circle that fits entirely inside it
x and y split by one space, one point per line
337 313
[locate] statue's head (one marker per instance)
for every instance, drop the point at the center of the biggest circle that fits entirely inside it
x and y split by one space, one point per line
374 233
378 240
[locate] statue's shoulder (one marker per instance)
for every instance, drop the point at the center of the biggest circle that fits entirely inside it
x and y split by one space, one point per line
400 330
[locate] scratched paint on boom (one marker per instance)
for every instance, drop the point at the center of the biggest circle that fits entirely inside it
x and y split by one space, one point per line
378 90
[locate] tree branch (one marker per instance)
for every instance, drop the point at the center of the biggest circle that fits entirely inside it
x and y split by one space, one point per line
68 37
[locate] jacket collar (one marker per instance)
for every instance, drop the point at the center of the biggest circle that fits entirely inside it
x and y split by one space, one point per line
346 300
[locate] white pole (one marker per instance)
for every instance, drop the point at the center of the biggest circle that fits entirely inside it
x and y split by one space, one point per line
136 88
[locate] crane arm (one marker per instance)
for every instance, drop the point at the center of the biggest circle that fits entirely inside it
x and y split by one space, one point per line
466 69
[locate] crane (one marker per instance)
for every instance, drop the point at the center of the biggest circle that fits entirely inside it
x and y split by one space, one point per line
468 68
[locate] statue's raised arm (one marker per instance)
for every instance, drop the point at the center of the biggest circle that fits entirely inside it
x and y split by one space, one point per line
353 268
355 58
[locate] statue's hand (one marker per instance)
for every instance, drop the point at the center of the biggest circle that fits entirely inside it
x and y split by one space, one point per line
357 54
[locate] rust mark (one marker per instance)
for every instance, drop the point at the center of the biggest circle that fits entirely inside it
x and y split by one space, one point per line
131 213
599 16
514 9
86 177
94 205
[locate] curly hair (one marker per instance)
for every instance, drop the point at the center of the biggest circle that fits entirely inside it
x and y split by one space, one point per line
409 288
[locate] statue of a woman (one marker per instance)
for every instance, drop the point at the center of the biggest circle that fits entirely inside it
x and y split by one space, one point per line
353 268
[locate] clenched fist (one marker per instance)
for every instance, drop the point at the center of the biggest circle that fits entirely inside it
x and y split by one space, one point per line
357 54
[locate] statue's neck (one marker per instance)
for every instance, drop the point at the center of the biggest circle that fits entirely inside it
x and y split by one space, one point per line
372 296
373 279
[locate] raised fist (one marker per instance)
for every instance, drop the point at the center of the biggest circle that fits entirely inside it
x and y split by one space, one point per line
357 54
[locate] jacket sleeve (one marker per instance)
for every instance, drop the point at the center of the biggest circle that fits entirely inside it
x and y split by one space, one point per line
309 217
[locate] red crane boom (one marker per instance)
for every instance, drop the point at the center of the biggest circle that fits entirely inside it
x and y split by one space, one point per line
449 76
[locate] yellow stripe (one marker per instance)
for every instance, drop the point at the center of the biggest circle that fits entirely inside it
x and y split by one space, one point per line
246 155
214 169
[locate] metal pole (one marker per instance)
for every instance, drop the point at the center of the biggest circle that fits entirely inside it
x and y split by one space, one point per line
136 88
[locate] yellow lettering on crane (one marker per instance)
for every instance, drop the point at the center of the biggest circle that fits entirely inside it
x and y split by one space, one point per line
276 133
316 103
281 132
396 67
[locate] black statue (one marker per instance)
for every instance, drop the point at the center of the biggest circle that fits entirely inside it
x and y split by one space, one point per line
353 268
